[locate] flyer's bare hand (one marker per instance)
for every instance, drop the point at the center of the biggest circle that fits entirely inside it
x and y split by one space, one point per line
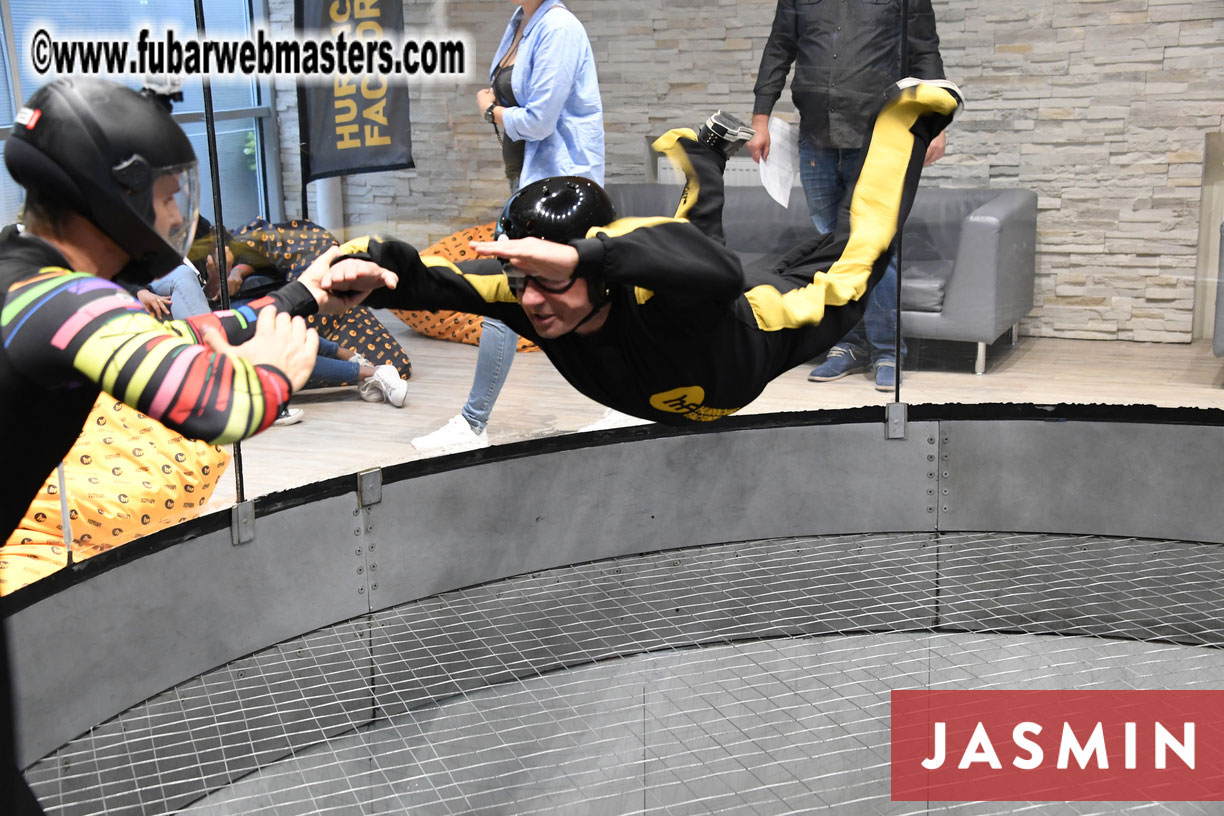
535 256
346 283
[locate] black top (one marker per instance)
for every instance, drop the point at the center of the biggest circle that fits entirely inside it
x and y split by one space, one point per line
846 54
512 151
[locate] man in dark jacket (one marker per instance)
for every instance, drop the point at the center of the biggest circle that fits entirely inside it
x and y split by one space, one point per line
846 54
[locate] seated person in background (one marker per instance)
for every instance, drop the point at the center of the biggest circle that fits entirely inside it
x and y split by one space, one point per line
177 295
252 276
654 316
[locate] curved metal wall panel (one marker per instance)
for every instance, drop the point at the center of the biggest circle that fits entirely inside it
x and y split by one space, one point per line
462 527
135 630
1099 478
170 614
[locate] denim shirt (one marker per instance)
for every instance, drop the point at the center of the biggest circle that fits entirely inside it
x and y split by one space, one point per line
559 114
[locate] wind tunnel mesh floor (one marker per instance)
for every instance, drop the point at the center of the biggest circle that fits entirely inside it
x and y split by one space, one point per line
746 678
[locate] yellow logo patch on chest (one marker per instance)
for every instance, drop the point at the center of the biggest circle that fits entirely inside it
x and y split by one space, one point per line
690 402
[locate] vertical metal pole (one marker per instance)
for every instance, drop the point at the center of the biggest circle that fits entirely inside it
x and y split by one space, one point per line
303 159
210 134
65 514
10 44
900 227
299 26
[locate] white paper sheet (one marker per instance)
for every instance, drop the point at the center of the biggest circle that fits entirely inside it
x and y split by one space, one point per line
779 170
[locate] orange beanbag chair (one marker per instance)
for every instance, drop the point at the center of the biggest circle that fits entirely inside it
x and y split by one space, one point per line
458 327
126 476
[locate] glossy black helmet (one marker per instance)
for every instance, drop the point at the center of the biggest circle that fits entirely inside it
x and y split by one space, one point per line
561 209
115 157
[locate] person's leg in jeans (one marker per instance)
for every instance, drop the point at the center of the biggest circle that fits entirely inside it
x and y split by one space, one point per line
876 333
466 430
329 370
823 172
375 383
183 288
879 325
493 359
494 356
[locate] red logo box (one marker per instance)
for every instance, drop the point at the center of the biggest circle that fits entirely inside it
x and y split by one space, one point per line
1057 746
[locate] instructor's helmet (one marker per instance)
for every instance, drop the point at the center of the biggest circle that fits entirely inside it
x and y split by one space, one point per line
118 159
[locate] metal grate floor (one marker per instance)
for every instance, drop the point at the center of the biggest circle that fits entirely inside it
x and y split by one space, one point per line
739 678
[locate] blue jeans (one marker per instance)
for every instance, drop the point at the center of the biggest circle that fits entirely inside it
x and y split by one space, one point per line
497 347
183 287
496 353
329 370
825 174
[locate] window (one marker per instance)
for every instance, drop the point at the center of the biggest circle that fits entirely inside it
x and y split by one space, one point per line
244 117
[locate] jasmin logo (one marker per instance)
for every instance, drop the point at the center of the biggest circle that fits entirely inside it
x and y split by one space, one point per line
1046 746
1030 754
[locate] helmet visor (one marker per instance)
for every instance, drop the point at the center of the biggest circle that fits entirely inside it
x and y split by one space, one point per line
176 205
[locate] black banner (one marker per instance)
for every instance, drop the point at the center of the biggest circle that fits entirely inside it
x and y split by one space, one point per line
352 125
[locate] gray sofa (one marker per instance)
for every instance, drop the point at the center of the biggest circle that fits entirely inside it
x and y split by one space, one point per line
968 257
1219 314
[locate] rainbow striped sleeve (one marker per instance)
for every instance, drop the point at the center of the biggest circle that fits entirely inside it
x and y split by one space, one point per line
61 326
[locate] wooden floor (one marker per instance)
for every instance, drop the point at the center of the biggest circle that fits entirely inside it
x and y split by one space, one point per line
342 434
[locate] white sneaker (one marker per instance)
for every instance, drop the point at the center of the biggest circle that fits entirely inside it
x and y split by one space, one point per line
361 361
385 384
613 419
288 416
453 437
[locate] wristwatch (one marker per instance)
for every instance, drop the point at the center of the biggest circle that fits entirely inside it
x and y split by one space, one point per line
489 112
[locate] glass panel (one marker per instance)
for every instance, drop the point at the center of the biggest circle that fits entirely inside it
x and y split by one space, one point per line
11 196
7 110
238 160
122 19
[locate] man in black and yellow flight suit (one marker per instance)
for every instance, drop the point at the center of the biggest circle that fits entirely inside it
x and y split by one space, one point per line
654 316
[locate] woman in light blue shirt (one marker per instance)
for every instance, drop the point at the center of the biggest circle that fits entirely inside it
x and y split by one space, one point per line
544 97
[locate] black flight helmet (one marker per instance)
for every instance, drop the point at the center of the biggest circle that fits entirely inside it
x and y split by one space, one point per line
559 209
118 159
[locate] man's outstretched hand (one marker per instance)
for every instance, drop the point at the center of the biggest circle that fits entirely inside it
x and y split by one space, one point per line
535 256
344 285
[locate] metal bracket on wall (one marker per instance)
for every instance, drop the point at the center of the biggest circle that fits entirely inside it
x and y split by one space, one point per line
369 487
369 493
242 523
895 414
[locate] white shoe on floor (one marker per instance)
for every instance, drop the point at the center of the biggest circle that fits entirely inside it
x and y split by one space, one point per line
288 416
455 436
384 385
613 419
